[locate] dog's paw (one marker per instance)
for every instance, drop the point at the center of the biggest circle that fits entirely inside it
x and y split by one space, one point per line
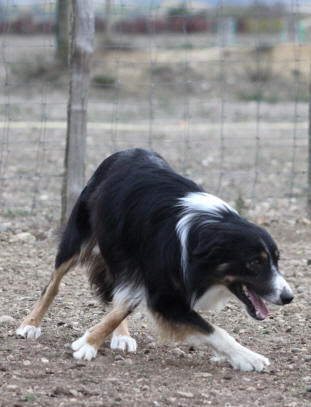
247 360
29 332
123 342
76 345
218 357
87 352
82 349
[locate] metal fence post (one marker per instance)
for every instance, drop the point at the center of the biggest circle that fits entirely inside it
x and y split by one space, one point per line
82 40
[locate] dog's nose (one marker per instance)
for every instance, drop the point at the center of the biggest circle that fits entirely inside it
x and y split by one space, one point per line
286 296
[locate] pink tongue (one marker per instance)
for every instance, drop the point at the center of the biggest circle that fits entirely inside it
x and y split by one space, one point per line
259 305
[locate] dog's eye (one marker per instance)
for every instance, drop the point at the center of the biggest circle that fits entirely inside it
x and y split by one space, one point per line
255 262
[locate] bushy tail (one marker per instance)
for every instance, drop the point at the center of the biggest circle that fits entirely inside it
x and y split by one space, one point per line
77 232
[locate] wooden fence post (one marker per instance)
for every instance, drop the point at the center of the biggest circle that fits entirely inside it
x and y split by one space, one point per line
62 31
82 40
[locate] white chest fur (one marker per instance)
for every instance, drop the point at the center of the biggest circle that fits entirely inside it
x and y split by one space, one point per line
214 299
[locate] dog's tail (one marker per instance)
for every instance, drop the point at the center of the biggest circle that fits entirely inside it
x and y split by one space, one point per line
79 244
77 232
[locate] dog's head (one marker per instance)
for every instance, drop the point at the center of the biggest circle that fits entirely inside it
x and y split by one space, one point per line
243 257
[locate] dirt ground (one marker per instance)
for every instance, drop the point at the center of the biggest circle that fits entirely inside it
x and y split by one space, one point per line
202 110
44 373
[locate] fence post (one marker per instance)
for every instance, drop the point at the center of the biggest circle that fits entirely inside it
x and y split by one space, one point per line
82 40
62 31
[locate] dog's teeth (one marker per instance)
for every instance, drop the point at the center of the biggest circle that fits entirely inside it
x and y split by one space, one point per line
245 291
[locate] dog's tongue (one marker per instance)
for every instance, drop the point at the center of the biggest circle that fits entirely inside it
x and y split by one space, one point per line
259 305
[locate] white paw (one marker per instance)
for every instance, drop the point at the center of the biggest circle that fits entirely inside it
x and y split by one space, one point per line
87 352
247 360
82 349
218 357
123 342
76 345
29 332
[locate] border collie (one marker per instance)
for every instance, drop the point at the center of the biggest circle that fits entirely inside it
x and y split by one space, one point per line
149 235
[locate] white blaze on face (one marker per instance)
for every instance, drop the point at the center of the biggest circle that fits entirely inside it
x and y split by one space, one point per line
279 285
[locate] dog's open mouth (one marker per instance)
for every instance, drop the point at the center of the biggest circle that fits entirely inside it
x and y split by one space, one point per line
254 304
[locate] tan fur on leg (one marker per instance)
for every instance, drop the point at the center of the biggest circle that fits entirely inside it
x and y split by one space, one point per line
226 347
87 346
110 322
169 331
122 329
35 317
121 339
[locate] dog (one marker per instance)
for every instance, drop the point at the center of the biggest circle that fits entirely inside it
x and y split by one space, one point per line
147 235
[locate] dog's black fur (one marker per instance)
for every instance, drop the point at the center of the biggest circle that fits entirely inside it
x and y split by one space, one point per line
149 235
131 209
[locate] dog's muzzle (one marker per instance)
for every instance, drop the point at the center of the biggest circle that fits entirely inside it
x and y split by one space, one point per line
281 293
286 296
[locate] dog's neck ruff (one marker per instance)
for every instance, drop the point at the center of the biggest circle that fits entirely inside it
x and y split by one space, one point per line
194 204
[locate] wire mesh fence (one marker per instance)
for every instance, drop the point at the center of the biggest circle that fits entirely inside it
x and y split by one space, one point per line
219 88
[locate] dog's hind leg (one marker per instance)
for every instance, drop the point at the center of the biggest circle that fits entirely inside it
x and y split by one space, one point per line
87 346
30 327
121 338
77 233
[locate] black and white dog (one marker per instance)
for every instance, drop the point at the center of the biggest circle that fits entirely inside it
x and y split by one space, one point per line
149 235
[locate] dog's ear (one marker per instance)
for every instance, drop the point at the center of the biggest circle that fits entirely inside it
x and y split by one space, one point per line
207 251
208 245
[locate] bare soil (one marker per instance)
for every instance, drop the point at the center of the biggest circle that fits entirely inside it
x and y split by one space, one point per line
44 373
249 148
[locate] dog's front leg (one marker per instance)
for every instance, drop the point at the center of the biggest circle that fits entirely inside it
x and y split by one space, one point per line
226 347
121 338
86 346
176 321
